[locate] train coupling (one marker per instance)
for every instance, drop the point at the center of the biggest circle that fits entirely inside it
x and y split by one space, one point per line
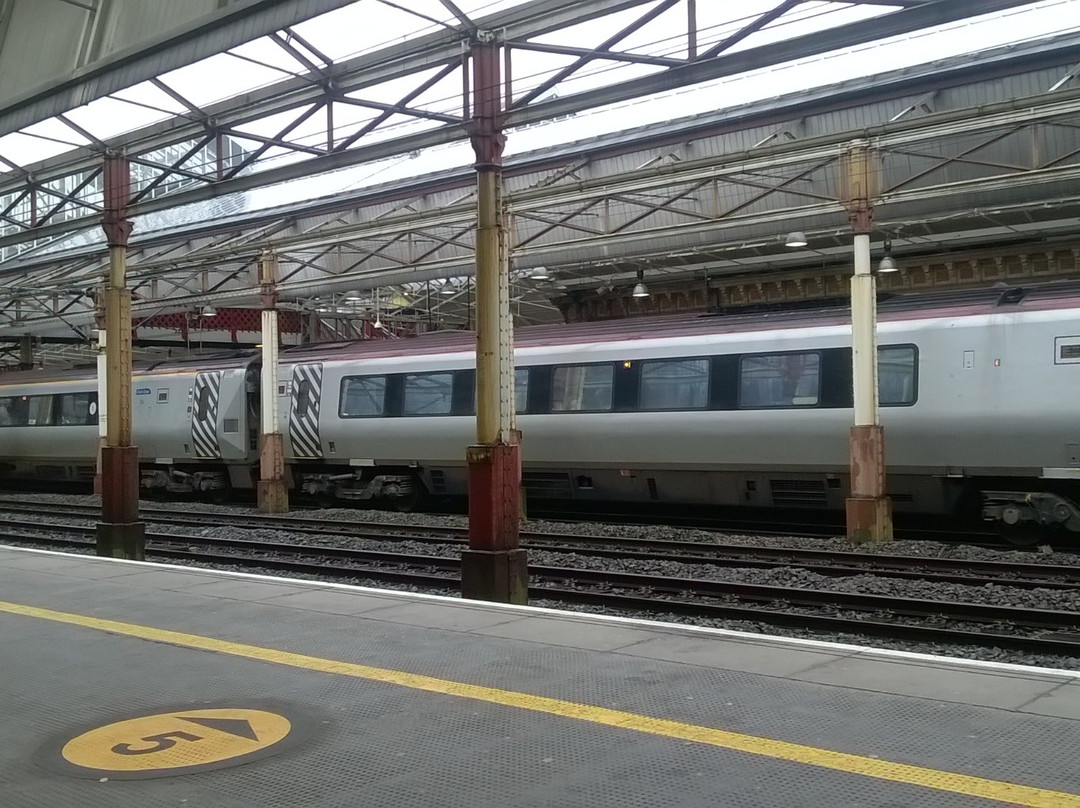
1035 507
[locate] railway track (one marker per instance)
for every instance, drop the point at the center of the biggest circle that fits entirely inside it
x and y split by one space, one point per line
1042 631
834 563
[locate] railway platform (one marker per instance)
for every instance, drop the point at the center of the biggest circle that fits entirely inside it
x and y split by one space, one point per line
132 684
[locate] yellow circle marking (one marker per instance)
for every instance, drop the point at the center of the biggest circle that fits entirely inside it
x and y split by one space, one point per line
176 740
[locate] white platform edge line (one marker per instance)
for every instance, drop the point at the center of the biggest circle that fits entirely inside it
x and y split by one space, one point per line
848 649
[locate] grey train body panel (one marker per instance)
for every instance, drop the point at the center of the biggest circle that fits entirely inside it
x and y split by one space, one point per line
166 421
989 404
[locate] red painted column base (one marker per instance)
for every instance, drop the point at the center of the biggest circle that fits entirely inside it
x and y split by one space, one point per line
272 493
120 534
494 567
869 510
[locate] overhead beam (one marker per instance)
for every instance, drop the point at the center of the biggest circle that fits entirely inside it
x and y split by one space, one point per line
524 22
237 23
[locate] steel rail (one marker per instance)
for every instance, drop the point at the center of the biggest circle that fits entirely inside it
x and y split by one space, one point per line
825 562
763 593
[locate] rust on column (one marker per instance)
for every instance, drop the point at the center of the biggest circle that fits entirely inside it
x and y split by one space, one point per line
120 534
869 509
273 495
494 566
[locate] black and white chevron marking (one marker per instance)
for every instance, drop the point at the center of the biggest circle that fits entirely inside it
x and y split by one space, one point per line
304 420
204 419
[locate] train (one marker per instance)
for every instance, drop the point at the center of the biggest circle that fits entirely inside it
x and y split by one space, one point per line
726 409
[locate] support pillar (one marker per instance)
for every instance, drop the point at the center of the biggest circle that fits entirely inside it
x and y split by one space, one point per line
272 493
869 510
102 401
120 534
494 567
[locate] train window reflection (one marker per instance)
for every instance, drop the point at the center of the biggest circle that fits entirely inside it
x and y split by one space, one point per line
303 398
428 394
779 380
896 375
40 411
363 395
78 409
13 411
577 388
675 384
521 389
202 406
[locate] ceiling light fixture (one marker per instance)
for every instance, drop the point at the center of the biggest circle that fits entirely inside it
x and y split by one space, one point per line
640 289
887 263
796 238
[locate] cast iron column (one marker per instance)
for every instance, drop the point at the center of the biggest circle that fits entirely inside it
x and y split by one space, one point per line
273 496
869 510
494 566
120 533
102 399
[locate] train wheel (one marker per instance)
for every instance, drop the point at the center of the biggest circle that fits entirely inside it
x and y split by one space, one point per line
410 502
1024 534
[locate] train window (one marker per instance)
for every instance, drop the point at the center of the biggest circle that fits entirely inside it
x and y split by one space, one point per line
78 409
582 388
674 384
521 389
1067 350
13 411
303 398
779 380
40 411
202 406
362 396
428 394
896 375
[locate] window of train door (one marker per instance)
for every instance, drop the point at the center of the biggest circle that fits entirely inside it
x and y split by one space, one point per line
202 406
303 398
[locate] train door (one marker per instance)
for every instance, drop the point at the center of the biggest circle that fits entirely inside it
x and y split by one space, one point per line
304 412
204 415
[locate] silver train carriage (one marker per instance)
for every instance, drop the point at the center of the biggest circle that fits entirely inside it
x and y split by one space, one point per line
977 392
195 423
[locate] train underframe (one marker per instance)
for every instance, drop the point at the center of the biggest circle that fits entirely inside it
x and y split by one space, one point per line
1024 510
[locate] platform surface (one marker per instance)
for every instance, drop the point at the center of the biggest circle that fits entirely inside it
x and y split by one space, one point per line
416 701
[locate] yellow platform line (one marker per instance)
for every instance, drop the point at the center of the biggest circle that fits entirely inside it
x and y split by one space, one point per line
780 750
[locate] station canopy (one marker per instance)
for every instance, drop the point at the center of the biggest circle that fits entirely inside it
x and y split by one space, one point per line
672 141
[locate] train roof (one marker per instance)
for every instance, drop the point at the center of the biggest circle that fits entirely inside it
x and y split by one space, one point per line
953 304
891 308
190 364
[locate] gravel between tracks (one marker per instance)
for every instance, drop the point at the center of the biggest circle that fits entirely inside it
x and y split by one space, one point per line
1066 600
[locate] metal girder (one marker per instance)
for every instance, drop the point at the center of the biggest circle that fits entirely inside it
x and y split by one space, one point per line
440 54
233 25
727 213
595 218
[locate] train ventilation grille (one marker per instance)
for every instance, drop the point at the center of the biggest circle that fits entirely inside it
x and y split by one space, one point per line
798 493
438 482
546 485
